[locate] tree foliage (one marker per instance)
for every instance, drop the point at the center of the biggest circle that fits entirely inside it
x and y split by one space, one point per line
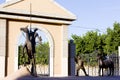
93 42
41 55
87 45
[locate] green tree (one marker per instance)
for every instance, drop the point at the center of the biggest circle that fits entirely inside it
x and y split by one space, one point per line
79 42
109 47
42 53
92 42
41 56
91 38
87 45
113 39
21 58
116 36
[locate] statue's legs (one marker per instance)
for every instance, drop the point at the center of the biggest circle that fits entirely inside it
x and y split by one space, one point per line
33 68
77 70
83 68
99 71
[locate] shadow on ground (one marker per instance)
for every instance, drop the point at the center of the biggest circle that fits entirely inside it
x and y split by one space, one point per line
24 74
71 78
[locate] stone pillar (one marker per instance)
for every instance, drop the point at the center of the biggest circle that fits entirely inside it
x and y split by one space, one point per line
2 46
64 50
71 59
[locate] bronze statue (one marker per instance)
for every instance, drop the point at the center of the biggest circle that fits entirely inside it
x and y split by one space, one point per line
105 63
80 65
30 47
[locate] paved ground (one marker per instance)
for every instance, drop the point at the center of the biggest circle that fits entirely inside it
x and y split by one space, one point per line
72 78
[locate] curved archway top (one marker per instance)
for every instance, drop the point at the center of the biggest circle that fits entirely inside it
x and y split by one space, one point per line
47 34
45 31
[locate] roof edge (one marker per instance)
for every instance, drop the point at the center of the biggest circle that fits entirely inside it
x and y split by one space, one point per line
72 15
9 3
37 14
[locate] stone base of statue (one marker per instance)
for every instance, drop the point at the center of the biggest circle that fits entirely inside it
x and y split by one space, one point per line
19 74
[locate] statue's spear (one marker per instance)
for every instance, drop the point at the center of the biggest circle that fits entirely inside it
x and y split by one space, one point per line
30 15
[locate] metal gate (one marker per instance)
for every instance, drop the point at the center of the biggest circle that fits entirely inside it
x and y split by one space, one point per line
91 65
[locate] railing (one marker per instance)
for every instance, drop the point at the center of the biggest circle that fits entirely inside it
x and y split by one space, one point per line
93 70
42 70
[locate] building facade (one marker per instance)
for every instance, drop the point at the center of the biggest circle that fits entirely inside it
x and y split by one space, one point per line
47 16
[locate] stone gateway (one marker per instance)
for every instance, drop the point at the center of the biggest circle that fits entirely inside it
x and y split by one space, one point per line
16 14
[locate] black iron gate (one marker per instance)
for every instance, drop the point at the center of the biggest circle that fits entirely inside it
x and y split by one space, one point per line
91 65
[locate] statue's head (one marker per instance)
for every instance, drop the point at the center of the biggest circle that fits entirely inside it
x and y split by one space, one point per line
35 29
79 57
99 56
25 29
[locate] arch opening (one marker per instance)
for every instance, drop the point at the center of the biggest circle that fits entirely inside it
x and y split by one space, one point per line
44 52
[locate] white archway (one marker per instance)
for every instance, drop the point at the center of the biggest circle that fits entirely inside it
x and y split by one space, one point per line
51 45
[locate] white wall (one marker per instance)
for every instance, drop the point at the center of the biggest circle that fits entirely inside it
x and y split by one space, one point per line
2 46
2 66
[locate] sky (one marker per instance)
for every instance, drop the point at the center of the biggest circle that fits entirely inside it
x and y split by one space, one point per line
91 14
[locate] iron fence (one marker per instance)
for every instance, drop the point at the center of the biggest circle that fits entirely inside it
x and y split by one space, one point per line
91 66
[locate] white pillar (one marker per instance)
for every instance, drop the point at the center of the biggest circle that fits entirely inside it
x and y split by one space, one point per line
119 57
2 46
64 62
